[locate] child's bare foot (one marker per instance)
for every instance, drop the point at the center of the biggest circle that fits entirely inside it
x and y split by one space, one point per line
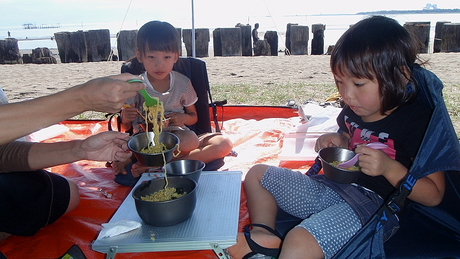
260 236
138 169
120 167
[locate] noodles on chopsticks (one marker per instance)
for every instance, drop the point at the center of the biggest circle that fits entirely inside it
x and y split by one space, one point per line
155 116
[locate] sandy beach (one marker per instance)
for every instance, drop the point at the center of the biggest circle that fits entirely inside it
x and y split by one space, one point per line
25 81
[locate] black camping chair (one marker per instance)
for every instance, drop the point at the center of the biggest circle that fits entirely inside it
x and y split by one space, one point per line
426 232
196 71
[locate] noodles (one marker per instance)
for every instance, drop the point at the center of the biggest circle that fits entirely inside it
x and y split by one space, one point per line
352 168
155 115
166 194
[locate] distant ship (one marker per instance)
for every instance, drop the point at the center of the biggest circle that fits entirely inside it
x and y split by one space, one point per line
429 8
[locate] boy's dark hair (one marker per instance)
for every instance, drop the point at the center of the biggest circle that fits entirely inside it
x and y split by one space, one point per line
158 36
378 48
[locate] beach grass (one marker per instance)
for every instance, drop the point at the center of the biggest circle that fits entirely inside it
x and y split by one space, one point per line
272 94
252 94
280 94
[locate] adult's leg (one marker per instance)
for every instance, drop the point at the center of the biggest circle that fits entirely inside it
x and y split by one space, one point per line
44 198
74 200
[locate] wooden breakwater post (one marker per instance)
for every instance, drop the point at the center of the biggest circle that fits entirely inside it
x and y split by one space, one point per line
272 38
288 38
98 44
317 43
421 30
217 42
262 48
201 42
297 41
246 40
126 44
83 46
231 39
179 30
71 47
235 41
450 37
438 37
9 51
39 56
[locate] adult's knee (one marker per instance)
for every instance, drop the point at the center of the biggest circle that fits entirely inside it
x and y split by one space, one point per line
74 200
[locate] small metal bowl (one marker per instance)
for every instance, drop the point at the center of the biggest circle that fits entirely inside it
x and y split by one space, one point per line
165 213
336 174
140 141
187 168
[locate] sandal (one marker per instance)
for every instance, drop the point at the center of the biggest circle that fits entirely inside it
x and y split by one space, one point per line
256 248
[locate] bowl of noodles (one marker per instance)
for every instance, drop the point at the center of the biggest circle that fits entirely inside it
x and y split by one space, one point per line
157 154
331 157
162 207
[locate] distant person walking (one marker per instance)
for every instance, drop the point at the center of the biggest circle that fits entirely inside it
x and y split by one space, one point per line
255 34
9 34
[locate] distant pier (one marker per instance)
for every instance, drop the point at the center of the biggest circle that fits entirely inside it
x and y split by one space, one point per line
31 26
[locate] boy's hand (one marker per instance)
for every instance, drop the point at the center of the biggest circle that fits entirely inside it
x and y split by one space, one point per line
128 115
176 119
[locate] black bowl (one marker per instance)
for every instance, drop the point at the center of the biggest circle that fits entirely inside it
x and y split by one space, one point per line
140 141
185 168
165 213
336 174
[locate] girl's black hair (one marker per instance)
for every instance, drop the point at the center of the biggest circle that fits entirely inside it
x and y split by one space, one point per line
158 36
379 48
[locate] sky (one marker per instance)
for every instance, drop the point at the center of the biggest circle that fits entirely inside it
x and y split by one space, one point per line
178 12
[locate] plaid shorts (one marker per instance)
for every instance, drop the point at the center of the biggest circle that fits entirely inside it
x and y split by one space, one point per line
326 215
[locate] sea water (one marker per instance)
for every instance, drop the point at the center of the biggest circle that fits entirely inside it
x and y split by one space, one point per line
336 25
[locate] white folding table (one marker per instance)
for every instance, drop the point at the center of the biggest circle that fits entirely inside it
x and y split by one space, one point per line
213 225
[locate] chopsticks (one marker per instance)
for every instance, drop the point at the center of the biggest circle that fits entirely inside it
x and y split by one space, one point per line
129 106
143 117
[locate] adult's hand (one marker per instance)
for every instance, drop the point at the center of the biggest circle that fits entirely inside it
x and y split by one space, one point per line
105 146
107 94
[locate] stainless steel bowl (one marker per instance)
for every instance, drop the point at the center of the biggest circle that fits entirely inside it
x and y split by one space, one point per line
165 213
185 168
331 154
140 141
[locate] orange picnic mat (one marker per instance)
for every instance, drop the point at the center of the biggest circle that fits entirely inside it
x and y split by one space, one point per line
257 134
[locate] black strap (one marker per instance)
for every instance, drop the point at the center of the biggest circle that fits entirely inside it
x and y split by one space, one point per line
256 248
396 202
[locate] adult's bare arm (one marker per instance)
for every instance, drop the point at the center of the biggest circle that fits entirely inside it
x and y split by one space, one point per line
106 94
105 146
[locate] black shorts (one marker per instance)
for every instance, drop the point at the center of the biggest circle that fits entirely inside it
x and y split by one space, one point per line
30 201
